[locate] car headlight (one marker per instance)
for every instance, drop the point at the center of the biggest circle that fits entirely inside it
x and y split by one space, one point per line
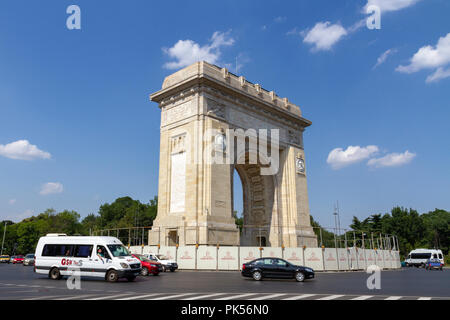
124 265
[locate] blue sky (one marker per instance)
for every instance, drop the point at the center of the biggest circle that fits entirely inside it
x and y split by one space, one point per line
80 97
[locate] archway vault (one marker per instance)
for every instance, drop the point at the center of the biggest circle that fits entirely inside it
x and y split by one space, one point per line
195 197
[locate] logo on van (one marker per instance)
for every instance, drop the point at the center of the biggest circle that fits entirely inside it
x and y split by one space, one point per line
68 262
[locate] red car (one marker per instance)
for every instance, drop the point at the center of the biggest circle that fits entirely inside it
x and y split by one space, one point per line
148 266
17 259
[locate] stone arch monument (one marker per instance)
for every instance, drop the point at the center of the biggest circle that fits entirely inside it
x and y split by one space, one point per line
213 122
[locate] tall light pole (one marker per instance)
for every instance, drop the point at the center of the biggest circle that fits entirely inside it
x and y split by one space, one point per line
337 220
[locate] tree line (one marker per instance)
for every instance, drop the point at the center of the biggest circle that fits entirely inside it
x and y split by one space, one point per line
413 230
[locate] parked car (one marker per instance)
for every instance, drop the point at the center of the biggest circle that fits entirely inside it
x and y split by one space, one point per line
4 259
29 260
18 259
166 262
275 268
434 264
148 266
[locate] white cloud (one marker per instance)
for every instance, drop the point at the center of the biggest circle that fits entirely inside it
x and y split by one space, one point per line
12 201
280 19
339 158
51 188
392 160
439 74
429 57
382 58
187 52
324 35
390 5
22 150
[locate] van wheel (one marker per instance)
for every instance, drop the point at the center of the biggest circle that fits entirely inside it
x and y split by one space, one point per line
54 274
112 276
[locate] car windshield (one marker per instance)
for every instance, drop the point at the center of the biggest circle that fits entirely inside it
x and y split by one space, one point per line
118 250
162 257
143 258
30 256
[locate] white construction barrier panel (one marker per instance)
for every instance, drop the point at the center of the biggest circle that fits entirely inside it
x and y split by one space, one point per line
207 258
248 254
186 257
397 259
272 252
228 258
370 257
151 249
353 259
136 249
387 259
330 259
343 259
169 252
379 258
294 256
361 258
313 258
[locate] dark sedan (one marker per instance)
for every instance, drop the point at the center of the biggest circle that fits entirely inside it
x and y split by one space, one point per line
275 268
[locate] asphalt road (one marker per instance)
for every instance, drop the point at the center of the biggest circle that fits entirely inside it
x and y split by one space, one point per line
20 282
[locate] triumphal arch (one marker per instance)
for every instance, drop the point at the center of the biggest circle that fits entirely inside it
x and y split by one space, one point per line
212 123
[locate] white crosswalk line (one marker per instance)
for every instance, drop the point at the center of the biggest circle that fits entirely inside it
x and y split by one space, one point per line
268 297
80 297
302 296
172 296
424 298
236 296
362 298
393 298
203 296
109 297
332 297
44 298
140 297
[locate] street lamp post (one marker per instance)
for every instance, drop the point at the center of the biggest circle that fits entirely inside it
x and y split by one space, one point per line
3 242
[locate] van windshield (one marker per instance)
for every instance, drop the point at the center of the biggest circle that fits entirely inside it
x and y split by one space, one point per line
118 250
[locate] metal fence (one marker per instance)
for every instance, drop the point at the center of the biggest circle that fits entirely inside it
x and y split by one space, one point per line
326 237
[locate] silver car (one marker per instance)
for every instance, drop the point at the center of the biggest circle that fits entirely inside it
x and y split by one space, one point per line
29 260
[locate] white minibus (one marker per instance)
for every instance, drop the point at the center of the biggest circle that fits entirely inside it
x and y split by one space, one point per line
58 255
419 257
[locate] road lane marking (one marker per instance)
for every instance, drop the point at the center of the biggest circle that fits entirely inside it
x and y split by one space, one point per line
268 297
302 296
203 296
424 298
44 298
110 297
77 297
172 296
236 296
362 298
140 297
393 298
332 297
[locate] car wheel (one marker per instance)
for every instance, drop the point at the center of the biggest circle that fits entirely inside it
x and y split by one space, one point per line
144 272
112 276
55 274
156 274
257 276
163 268
172 270
299 276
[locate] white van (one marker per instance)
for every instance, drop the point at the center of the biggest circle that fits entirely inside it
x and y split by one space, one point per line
419 257
59 255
